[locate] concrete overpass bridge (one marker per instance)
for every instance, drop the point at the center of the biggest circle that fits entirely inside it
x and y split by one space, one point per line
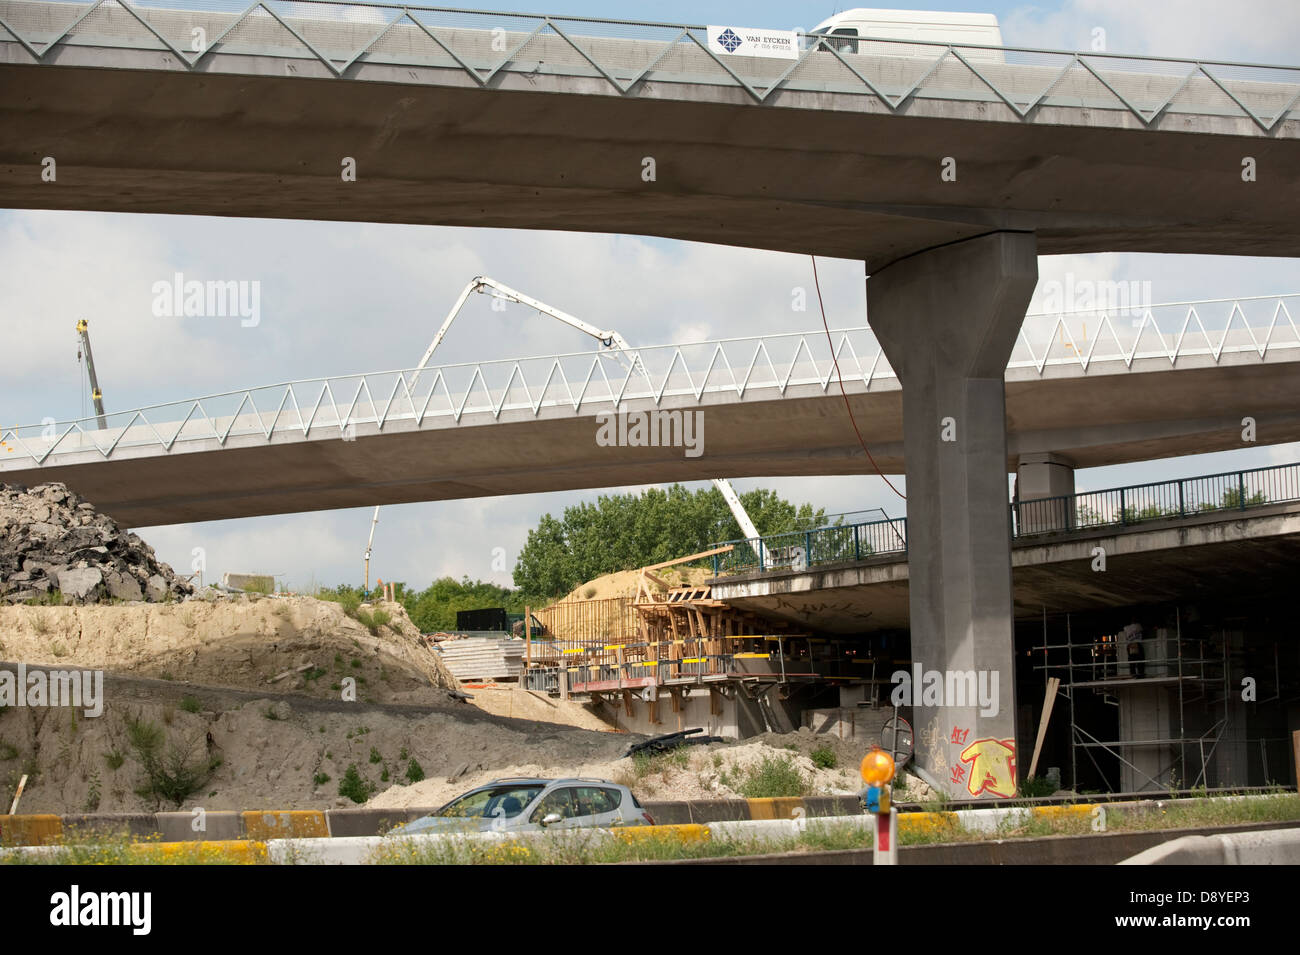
1162 542
616 127
250 112
1084 389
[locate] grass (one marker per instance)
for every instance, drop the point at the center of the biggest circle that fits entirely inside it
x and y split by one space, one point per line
667 843
648 764
774 776
120 848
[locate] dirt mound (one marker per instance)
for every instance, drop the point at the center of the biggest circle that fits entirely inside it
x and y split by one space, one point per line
718 771
276 752
53 540
244 641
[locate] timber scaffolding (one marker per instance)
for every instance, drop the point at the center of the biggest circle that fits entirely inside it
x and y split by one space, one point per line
664 636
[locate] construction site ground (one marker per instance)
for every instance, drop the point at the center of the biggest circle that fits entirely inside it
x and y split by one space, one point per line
205 674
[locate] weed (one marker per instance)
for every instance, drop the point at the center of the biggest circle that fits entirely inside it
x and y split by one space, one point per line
374 755
173 771
114 759
823 757
774 776
58 649
353 786
40 624
190 704
165 675
92 793
1036 786
320 779
403 756
414 771
7 751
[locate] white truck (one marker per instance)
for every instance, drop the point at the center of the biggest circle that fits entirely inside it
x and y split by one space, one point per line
852 32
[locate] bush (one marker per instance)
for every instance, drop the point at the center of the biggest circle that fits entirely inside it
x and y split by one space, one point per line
414 771
824 757
1036 786
354 787
173 771
773 777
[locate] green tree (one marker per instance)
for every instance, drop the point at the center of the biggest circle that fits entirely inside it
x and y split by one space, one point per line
623 531
435 607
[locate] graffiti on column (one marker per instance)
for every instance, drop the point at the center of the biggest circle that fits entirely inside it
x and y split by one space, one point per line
992 766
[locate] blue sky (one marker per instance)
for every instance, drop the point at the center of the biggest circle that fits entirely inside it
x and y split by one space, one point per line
342 298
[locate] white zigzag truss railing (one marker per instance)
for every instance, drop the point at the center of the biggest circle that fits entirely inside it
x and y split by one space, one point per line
1243 329
627 55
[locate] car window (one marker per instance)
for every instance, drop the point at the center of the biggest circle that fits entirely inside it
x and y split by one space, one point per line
557 801
593 800
507 801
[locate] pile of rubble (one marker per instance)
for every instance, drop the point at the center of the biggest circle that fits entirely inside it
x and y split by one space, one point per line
51 539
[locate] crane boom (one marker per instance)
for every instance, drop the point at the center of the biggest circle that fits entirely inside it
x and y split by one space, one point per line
95 394
608 338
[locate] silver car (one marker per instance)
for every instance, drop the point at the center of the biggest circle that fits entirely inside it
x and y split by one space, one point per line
528 804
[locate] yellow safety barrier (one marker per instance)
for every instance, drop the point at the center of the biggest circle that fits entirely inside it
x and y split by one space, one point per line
685 832
293 824
31 830
926 823
774 807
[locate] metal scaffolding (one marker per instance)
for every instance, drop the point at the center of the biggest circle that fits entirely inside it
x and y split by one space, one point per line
1104 665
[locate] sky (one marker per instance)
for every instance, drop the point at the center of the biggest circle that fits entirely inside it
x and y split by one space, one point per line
343 298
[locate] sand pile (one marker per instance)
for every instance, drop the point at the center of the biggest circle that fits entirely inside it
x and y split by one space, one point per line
623 583
244 641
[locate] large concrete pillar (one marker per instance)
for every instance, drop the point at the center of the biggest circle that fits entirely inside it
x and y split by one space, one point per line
1044 493
947 320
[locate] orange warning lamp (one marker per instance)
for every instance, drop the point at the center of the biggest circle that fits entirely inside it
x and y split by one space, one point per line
877 767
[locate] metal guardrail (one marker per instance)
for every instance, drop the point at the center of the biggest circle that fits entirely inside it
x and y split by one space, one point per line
1251 329
1112 507
628 56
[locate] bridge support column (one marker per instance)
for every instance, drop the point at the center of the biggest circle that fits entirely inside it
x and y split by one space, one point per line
1044 493
947 320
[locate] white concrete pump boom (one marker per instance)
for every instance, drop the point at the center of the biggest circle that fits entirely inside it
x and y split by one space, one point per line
369 546
747 528
610 339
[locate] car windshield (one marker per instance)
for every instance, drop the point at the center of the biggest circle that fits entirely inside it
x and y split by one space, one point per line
506 801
